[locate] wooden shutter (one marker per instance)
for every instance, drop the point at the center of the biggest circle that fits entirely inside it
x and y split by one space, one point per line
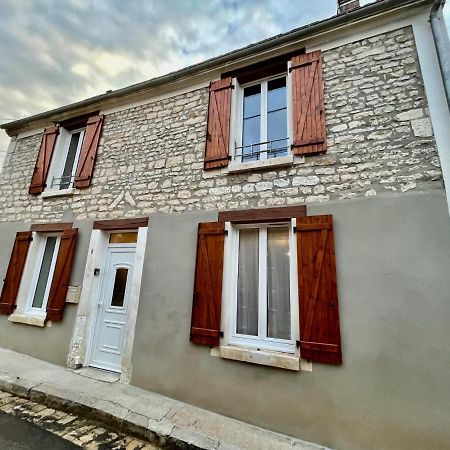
320 338
206 307
218 129
61 275
39 178
14 273
309 132
85 168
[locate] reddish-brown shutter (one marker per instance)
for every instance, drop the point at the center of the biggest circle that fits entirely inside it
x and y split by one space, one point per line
14 272
320 337
39 178
206 307
218 129
85 168
61 275
309 131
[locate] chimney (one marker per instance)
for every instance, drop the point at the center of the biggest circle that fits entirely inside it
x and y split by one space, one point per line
345 6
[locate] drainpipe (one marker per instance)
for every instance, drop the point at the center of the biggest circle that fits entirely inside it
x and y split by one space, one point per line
442 44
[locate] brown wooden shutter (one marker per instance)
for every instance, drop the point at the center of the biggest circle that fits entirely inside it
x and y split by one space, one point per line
320 338
85 168
309 131
206 307
218 129
14 273
39 178
61 275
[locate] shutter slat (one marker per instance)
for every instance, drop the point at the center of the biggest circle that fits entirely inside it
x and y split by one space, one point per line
218 128
309 134
40 173
207 303
88 154
61 275
14 272
320 338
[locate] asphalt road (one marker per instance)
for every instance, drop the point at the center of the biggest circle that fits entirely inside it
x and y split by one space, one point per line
17 434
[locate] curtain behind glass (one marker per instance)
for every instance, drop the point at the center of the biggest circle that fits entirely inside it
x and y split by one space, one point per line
278 295
247 291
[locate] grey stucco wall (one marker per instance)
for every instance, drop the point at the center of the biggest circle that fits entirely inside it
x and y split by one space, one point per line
50 343
391 391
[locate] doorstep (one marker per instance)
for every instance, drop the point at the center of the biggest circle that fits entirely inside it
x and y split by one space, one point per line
162 420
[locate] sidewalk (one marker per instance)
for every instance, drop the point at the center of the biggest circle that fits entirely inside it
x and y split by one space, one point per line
162 420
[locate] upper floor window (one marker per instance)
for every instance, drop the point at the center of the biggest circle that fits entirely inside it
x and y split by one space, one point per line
263 131
65 160
270 110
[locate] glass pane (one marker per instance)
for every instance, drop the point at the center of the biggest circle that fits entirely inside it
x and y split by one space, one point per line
70 160
277 133
276 95
120 284
123 238
251 135
247 291
252 101
278 295
38 299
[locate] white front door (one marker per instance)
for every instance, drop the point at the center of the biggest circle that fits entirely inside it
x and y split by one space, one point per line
111 317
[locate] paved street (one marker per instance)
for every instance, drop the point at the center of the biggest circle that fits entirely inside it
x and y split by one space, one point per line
32 426
18 434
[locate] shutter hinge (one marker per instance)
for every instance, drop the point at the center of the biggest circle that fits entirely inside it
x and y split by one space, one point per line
194 297
226 232
221 334
294 229
96 272
297 344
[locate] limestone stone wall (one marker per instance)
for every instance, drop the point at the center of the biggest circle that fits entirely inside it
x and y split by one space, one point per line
151 156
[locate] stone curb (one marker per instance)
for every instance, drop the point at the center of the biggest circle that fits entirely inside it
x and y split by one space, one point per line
172 438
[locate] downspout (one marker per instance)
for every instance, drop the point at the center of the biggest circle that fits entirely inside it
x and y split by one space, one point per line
442 44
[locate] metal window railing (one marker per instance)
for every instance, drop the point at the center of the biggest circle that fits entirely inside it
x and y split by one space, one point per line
63 182
271 148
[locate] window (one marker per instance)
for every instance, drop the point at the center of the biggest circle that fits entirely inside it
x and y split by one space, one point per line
68 148
263 302
43 274
262 128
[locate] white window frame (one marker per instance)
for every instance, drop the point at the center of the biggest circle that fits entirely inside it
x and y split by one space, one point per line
41 241
238 113
59 160
230 292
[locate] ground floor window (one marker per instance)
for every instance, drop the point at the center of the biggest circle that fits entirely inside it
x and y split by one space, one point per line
263 305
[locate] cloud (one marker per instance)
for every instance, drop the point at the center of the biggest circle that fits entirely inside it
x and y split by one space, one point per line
56 52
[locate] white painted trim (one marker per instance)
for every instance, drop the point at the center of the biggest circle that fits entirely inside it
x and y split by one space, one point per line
435 92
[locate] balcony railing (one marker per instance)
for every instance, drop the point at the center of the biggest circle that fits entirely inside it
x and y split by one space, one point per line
63 182
262 150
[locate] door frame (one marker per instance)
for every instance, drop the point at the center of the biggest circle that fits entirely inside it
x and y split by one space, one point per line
87 308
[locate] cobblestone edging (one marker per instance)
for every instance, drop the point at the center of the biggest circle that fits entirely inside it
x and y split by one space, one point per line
84 433
151 156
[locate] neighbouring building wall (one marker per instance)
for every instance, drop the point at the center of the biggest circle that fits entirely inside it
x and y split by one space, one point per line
392 267
151 156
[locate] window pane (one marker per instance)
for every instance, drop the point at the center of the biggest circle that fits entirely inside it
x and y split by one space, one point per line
278 295
70 160
247 291
277 133
251 135
252 101
276 95
120 284
38 299
123 238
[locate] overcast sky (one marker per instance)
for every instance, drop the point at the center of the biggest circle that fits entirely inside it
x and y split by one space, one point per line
55 52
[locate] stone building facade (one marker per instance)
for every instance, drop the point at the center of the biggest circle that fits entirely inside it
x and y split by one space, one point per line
375 199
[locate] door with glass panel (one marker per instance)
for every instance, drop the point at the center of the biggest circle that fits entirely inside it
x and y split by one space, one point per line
112 306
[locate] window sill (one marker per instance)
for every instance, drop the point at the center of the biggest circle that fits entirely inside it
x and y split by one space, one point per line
38 321
61 193
261 357
282 161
